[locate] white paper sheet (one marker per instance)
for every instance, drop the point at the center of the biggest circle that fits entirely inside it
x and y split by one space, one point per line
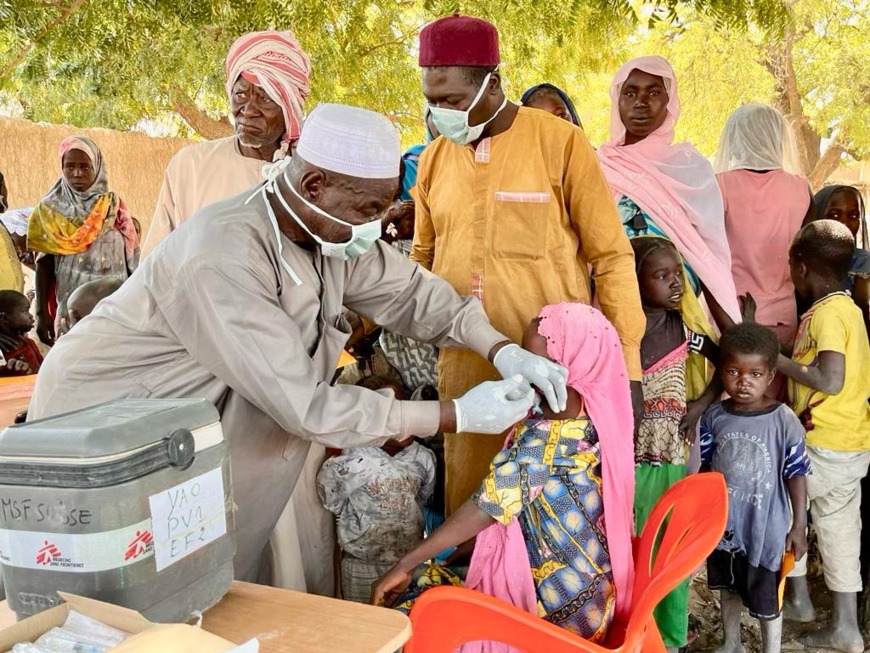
187 517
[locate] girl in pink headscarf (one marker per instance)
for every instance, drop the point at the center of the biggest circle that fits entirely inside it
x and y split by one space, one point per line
663 189
553 519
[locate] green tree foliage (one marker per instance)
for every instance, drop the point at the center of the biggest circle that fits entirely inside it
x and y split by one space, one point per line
115 63
815 72
125 63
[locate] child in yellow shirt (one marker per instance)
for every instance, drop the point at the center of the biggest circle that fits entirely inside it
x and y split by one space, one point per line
829 387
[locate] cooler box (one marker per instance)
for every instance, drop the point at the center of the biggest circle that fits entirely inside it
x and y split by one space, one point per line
128 502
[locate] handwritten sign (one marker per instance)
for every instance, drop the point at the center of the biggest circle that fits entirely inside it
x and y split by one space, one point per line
188 516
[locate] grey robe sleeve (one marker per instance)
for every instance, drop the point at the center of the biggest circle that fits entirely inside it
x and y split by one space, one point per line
404 297
226 314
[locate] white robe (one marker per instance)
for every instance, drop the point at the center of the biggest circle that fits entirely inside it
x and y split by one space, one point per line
197 176
214 314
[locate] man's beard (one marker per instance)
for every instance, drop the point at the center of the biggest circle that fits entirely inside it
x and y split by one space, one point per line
250 141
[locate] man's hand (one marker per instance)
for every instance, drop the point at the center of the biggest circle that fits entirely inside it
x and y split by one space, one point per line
747 307
796 541
386 590
494 406
550 378
45 329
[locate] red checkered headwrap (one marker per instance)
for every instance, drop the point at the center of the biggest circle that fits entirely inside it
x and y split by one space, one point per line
276 62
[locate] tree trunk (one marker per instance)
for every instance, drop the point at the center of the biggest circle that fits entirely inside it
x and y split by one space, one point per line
826 165
202 123
780 63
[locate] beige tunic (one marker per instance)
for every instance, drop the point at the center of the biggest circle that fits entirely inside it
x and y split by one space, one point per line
214 314
197 176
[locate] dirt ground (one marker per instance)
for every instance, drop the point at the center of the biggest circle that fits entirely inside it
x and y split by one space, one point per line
706 622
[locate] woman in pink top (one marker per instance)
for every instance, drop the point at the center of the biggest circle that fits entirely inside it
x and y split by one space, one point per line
765 206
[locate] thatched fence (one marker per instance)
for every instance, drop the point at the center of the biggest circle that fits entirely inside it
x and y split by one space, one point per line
136 162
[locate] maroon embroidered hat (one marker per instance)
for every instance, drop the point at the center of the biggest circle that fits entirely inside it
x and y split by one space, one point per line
459 41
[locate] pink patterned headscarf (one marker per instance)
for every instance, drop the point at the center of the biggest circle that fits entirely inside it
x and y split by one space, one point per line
581 339
673 184
276 62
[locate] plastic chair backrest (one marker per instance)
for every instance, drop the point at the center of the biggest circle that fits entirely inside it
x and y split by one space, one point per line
444 618
693 514
682 530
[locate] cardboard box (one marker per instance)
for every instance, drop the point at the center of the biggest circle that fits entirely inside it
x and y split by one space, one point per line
147 637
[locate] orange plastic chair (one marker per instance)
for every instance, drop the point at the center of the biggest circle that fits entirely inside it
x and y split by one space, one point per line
682 530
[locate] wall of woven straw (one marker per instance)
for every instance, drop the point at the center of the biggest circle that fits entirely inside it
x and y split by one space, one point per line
136 162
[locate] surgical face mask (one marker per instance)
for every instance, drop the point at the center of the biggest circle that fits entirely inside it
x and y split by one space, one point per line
453 124
362 237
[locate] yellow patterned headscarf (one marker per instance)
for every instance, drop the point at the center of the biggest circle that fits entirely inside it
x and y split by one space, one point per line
68 221
11 275
52 232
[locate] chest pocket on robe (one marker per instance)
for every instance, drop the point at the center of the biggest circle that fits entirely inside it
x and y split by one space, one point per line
521 224
334 333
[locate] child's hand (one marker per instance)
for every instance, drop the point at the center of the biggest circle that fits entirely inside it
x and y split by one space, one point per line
689 424
63 327
390 587
637 404
747 307
18 367
398 221
796 541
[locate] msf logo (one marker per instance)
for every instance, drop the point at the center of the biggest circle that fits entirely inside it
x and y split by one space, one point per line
142 543
46 553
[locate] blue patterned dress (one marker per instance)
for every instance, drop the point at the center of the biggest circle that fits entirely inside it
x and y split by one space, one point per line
550 479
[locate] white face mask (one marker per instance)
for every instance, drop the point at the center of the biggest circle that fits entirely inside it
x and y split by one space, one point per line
453 124
362 237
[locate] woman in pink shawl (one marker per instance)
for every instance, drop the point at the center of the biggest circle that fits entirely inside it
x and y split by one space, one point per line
553 519
663 189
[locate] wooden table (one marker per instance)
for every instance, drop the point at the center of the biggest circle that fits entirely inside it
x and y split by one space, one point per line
15 394
285 621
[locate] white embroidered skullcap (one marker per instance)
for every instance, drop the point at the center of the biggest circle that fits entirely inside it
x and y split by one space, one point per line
351 141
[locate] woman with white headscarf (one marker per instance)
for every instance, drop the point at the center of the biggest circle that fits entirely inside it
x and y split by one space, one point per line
765 205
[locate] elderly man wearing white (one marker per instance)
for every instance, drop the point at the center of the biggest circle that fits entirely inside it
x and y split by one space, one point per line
244 307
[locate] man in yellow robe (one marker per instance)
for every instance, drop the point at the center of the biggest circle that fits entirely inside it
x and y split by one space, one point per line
512 208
